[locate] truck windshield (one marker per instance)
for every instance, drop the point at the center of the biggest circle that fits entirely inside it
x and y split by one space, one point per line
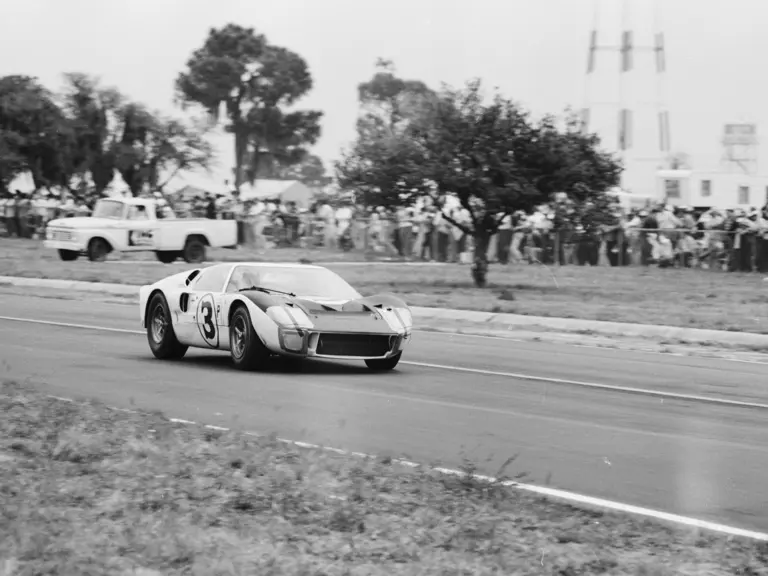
108 209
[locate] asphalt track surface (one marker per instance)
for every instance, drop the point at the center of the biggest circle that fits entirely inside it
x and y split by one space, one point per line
685 457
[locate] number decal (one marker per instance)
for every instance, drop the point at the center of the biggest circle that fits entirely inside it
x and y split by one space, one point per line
206 321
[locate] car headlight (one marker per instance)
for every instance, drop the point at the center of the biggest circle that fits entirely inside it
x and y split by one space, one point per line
289 317
406 316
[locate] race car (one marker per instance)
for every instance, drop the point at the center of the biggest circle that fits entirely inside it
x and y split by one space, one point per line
259 310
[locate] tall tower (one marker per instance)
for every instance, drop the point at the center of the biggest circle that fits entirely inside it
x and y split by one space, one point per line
624 101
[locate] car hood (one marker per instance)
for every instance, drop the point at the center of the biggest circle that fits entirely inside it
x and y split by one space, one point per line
82 222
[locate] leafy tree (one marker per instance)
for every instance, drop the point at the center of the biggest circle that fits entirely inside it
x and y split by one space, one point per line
152 148
255 82
96 119
311 171
496 160
383 164
34 133
491 155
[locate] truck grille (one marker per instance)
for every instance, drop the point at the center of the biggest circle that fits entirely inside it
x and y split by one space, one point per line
61 235
353 345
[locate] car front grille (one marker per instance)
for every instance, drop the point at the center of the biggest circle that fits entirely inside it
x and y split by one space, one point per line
353 345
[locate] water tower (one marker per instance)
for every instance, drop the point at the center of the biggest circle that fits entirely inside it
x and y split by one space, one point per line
624 100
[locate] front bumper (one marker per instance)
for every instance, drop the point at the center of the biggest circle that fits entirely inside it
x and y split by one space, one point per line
341 345
72 245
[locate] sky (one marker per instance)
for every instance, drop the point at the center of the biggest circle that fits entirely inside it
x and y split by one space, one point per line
535 52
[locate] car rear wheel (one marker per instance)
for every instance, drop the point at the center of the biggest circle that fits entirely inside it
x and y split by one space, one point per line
68 255
98 250
160 334
384 364
246 348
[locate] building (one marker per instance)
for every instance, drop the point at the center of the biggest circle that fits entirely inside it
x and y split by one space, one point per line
285 190
711 189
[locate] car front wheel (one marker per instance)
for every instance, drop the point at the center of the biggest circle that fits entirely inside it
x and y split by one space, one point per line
246 348
160 334
384 364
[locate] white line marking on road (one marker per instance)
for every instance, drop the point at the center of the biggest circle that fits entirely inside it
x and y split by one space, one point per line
593 346
541 490
482 371
71 325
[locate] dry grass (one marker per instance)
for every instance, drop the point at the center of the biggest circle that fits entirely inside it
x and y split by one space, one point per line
687 298
89 490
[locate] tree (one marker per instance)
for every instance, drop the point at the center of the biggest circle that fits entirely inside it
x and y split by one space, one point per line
496 160
34 133
96 119
153 149
491 155
255 82
310 171
382 164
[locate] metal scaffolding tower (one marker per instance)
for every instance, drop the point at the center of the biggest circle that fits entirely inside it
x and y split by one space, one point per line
626 51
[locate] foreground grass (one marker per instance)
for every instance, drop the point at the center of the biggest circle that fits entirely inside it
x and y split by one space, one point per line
88 490
687 298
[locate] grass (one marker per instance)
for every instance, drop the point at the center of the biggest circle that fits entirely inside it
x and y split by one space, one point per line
85 489
686 298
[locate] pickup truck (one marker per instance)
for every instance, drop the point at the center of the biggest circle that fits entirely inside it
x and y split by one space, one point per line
138 225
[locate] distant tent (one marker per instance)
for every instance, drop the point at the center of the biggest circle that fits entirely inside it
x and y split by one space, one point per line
285 190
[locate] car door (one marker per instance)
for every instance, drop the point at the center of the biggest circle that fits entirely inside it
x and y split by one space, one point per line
200 315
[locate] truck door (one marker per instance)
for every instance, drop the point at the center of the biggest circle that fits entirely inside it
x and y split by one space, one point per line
140 229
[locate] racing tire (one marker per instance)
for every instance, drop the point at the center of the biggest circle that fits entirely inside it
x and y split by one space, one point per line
384 364
98 250
160 334
167 256
246 348
68 255
194 251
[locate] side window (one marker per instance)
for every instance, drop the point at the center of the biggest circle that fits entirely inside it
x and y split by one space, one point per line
211 280
138 212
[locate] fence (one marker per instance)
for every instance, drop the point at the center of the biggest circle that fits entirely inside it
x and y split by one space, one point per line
739 250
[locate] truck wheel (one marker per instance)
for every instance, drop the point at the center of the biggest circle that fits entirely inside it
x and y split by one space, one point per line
167 256
194 251
384 364
68 255
98 250
162 339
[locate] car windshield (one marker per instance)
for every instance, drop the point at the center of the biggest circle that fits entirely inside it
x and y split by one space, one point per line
108 209
305 282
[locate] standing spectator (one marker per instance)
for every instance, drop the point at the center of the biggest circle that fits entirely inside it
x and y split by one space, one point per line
210 208
404 232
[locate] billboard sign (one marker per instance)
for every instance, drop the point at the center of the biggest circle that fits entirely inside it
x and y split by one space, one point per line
740 134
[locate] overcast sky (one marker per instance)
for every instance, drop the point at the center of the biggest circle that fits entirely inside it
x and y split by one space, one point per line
534 50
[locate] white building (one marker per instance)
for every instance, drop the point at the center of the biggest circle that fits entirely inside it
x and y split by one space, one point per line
711 189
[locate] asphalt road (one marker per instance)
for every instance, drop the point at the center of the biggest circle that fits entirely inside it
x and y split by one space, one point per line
683 457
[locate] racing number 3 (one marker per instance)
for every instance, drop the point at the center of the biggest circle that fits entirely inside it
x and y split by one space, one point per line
207 321
209 328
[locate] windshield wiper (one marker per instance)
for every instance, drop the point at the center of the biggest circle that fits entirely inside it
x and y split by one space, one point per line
267 290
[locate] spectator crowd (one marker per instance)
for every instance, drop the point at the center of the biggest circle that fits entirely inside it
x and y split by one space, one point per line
559 232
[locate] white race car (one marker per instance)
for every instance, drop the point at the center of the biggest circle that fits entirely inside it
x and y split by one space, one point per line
256 310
